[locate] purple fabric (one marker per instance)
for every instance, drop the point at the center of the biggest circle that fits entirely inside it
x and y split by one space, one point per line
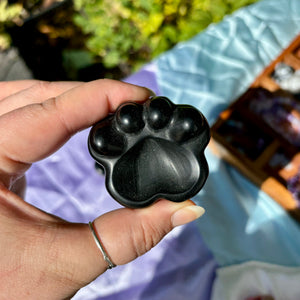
66 184
145 77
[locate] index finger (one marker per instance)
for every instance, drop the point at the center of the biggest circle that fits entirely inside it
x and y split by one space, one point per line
31 133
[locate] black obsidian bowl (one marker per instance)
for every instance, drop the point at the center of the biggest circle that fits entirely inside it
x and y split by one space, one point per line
152 150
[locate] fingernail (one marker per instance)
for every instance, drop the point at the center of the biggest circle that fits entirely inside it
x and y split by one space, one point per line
152 94
186 215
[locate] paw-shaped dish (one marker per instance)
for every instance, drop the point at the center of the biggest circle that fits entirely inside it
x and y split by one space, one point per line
151 151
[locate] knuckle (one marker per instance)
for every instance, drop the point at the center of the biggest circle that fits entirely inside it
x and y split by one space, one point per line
146 236
52 105
41 86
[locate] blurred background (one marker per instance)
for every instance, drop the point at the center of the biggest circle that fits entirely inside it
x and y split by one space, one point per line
90 39
244 234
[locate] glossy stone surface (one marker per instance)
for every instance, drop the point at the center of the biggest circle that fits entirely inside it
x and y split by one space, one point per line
151 151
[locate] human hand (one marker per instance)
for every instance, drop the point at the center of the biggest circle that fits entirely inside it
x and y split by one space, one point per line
43 256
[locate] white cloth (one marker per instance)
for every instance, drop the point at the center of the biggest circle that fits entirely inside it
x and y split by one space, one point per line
252 279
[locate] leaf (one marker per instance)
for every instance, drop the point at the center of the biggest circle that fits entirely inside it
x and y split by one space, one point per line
9 12
120 29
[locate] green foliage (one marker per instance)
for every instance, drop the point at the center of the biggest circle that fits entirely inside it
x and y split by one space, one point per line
9 14
74 60
133 31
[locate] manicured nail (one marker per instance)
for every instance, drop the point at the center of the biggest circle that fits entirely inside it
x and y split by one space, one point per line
187 214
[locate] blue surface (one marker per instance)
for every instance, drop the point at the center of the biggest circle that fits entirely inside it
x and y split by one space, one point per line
210 71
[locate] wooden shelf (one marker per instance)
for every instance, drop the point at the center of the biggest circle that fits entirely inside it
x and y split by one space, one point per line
244 138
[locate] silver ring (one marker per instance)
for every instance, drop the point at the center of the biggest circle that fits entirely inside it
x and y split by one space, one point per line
110 264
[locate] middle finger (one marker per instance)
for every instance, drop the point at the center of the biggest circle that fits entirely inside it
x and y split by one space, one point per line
36 93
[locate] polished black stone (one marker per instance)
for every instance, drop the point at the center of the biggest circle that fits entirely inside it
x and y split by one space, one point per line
151 151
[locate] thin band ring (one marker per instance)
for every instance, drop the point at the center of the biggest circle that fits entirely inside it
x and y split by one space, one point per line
106 257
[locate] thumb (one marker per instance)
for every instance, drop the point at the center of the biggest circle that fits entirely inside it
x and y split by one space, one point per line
125 234
129 233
